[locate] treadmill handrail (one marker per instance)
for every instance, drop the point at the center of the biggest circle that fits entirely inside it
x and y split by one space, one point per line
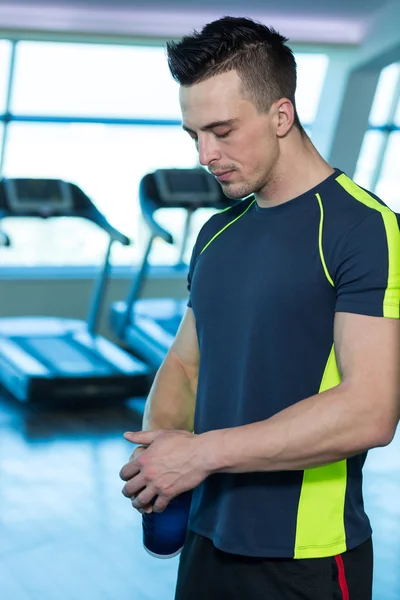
150 203
101 221
156 229
135 288
151 200
45 198
4 239
76 204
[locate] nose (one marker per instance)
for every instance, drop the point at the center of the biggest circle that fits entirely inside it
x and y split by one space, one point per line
208 150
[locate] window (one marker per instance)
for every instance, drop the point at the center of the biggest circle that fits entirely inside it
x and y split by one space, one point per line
93 81
370 152
388 185
311 71
5 55
383 101
376 167
59 81
107 162
102 116
397 115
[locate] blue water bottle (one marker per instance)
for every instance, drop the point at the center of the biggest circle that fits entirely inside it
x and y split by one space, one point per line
164 533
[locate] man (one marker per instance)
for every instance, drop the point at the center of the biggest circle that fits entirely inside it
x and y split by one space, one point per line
285 365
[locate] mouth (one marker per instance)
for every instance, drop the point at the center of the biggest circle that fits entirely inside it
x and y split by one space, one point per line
223 175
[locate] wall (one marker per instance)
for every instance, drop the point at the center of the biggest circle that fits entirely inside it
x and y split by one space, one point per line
70 298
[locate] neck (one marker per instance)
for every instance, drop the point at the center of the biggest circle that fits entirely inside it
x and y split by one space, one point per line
298 169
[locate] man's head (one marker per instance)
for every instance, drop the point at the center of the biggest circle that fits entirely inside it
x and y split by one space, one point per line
238 83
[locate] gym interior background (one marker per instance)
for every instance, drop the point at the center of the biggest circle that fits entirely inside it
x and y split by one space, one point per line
85 96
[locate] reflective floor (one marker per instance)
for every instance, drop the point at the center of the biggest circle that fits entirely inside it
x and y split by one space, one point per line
67 533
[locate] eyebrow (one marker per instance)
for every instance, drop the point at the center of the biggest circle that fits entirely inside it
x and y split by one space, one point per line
212 125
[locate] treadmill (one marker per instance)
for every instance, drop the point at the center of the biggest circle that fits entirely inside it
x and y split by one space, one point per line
4 239
148 326
54 359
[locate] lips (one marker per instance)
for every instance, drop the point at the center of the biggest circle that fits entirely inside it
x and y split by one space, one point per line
222 175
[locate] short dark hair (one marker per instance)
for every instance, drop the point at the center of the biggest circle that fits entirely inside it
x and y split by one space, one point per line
265 65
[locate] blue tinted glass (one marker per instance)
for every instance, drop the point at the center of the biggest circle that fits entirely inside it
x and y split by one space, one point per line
384 95
388 186
397 115
311 71
370 150
5 55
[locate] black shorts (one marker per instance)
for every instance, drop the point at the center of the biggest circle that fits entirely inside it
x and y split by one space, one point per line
206 573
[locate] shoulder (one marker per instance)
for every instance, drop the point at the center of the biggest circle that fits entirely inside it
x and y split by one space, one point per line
359 232
352 214
347 203
218 222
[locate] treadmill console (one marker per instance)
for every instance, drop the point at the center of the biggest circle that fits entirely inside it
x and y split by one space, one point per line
187 186
41 197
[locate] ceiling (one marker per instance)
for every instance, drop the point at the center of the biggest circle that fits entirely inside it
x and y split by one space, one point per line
332 21
346 8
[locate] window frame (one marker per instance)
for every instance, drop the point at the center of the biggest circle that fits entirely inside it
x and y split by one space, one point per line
42 272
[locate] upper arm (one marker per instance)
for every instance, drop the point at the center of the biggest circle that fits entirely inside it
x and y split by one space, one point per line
367 328
185 347
368 358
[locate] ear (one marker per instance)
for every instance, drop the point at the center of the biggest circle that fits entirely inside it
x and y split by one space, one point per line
285 112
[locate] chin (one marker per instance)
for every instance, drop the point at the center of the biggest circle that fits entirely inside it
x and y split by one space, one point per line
236 192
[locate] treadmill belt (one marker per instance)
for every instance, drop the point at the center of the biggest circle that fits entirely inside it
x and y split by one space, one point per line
62 355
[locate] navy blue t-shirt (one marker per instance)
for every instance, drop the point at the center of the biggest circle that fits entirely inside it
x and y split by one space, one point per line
265 284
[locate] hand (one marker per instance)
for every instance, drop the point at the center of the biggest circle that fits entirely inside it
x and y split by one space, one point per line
172 463
137 452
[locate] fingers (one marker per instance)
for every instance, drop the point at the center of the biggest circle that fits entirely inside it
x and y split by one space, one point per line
143 496
129 470
143 437
161 503
143 501
137 452
145 509
134 486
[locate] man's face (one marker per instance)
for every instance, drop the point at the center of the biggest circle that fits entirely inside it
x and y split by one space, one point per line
235 142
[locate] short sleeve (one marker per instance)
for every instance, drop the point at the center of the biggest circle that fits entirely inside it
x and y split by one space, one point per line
367 273
192 263
201 241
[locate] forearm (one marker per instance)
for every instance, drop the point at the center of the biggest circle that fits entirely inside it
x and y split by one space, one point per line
172 398
322 429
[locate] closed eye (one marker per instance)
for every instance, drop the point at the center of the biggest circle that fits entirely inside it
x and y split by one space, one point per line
222 135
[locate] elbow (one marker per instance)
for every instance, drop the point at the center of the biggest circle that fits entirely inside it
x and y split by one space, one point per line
385 437
384 432
379 420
